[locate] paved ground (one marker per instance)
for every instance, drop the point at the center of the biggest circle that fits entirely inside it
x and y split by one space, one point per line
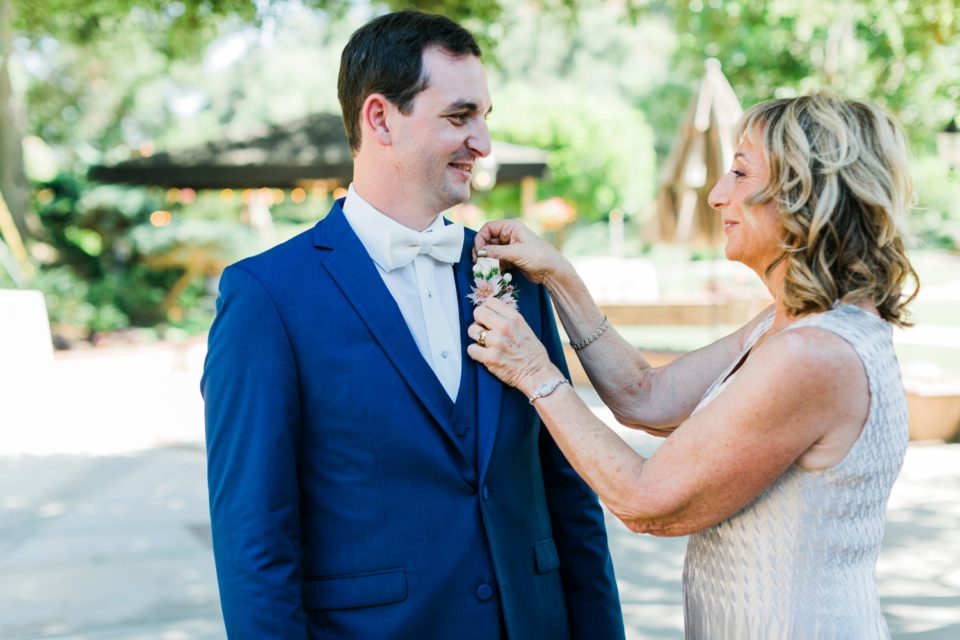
104 530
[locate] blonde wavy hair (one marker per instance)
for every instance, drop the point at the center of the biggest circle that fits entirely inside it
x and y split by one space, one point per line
838 174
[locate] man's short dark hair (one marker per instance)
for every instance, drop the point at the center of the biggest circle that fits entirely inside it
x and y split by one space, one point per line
386 56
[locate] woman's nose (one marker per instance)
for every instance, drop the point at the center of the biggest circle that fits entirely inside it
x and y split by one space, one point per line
719 196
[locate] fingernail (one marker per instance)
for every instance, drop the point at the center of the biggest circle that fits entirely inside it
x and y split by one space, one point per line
481 253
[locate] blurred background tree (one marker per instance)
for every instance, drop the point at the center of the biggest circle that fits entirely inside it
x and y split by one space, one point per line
601 85
900 54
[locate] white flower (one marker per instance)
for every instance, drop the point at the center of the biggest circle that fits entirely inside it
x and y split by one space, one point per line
488 283
486 266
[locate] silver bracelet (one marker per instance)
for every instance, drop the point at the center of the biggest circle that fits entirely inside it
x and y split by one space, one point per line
590 339
546 389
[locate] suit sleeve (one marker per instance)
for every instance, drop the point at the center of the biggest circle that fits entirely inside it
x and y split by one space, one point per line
593 602
250 392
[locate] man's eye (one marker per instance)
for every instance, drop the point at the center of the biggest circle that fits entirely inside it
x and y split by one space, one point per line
458 118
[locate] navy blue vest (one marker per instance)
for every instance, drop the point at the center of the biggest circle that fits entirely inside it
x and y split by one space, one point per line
463 416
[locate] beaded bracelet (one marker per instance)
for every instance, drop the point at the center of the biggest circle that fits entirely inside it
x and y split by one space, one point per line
590 339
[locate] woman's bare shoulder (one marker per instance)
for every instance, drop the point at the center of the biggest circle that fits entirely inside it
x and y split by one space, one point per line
810 348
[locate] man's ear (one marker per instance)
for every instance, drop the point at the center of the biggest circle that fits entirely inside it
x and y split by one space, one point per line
373 117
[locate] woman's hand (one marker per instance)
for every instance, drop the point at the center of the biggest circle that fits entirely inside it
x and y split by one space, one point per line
507 346
511 242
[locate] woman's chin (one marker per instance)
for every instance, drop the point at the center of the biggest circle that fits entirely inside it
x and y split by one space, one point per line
735 255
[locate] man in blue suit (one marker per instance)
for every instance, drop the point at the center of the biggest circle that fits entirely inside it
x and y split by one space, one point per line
367 478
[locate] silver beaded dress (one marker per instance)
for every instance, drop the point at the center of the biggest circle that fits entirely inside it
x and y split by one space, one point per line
799 561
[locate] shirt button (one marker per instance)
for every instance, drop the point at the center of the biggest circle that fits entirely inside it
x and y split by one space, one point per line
444 354
460 429
484 592
429 294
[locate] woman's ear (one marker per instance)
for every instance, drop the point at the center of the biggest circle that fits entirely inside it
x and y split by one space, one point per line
373 117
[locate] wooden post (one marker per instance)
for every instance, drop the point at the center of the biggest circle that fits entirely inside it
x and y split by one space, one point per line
13 181
11 238
528 195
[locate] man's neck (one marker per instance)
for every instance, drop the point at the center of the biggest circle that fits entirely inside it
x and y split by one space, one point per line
394 203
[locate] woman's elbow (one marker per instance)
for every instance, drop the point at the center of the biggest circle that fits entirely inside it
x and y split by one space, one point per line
655 517
626 417
635 411
632 421
661 529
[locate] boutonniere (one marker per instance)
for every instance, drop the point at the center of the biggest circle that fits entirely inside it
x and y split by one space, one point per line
488 282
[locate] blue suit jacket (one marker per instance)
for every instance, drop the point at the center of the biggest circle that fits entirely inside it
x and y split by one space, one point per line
341 502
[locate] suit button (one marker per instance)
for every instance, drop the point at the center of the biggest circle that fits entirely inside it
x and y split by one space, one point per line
460 429
484 493
484 592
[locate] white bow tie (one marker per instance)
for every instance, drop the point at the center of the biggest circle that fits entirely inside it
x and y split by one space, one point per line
405 244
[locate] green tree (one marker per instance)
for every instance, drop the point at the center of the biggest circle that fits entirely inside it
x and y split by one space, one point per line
901 54
173 29
558 86
601 150
159 34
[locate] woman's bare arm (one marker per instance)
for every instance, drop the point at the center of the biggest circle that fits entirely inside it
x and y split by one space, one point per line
654 399
782 402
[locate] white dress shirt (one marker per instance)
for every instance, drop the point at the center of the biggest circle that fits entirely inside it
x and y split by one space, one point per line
424 290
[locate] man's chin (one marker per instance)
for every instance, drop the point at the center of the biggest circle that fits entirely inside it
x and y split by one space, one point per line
455 196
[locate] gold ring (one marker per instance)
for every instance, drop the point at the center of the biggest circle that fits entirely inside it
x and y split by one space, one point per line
482 338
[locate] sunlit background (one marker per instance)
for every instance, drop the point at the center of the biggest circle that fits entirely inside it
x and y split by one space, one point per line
146 145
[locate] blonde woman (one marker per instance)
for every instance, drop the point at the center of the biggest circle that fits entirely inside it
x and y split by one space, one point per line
784 438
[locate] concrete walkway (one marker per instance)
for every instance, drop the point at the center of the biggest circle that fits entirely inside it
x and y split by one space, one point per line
104 532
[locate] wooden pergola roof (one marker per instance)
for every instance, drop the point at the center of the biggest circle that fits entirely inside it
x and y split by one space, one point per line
282 156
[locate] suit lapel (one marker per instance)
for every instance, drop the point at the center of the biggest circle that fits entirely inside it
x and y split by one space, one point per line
355 273
489 388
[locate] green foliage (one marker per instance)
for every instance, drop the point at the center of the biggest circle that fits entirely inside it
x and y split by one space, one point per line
936 220
174 28
476 15
66 296
601 153
557 86
108 268
902 54
6 282
601 85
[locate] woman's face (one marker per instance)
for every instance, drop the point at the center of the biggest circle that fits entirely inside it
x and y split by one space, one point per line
753 240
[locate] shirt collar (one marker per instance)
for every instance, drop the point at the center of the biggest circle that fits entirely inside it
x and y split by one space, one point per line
374 228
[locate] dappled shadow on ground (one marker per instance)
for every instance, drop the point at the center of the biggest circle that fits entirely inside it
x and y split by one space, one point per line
112 545
919 565
648 576
106 547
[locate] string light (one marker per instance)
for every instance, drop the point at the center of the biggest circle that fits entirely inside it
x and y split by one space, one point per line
160 218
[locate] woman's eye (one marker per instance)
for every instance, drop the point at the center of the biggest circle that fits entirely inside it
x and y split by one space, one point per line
737 173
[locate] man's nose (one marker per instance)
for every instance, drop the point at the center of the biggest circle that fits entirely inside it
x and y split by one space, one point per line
479 141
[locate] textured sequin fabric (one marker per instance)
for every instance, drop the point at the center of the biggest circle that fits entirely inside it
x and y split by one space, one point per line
799 561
